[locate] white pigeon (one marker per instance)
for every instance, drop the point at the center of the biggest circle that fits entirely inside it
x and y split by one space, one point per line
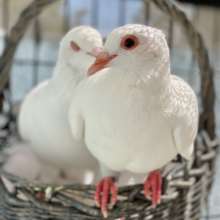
43 119
133 114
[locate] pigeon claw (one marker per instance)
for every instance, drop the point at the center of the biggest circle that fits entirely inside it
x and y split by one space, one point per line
152 187
104 189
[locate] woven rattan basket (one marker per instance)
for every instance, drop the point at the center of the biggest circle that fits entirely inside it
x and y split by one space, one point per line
187 185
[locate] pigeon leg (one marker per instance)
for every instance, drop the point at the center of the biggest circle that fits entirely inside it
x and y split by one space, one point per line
104 188
152 187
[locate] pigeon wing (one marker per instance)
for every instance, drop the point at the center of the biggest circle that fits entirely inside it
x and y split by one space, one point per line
184 116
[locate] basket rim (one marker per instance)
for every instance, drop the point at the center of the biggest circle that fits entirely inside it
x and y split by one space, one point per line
181 181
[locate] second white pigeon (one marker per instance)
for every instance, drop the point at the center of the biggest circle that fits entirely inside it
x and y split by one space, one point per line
43 119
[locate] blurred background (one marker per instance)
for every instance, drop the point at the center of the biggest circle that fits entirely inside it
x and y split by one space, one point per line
37 53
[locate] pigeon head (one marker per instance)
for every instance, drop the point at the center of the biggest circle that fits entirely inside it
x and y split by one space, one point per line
134 48
79 47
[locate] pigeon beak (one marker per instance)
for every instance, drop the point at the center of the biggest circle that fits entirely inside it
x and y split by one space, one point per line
95 51
102 59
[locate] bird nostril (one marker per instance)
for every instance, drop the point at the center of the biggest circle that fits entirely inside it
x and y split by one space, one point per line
96 51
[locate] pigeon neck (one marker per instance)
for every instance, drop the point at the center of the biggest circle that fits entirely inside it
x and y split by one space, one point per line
154 78
163 77
65 74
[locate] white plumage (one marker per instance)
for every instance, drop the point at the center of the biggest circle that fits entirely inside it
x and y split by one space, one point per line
22 162
133 114
43 119
136 116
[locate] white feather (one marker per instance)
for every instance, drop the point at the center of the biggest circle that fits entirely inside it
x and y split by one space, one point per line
43 119
21 161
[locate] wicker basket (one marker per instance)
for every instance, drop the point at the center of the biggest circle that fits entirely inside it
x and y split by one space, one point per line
187 185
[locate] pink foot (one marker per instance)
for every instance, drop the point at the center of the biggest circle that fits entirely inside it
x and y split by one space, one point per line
102 196
152 187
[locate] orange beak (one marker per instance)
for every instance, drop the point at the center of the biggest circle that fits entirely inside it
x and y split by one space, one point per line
102 59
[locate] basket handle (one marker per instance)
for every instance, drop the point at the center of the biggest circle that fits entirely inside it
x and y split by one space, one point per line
15 35
207 90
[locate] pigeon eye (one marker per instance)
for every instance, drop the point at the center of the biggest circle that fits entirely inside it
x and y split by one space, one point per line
74 46
129 42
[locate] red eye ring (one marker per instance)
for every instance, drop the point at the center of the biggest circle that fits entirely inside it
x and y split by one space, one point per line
74 46
129 42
